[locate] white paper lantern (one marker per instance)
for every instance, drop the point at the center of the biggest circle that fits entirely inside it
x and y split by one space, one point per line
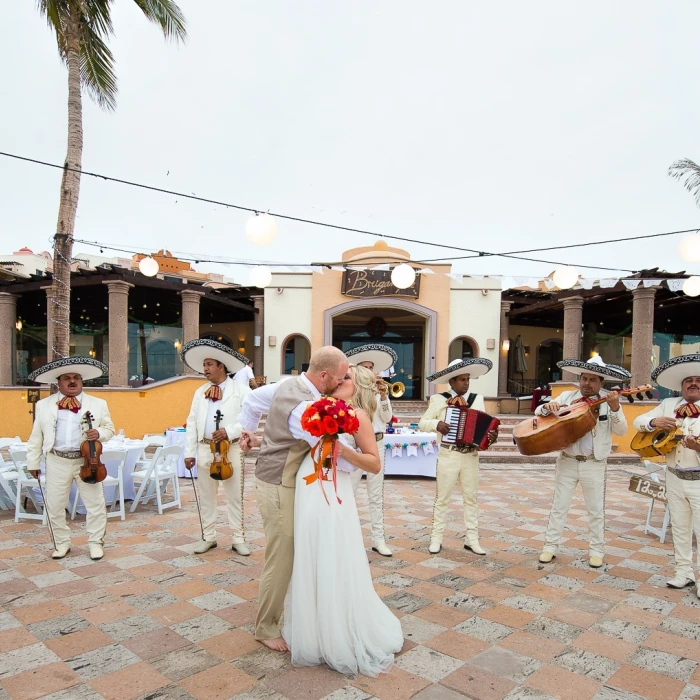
149 267
689 247
403 276
260 276
691 287
261 229
565 277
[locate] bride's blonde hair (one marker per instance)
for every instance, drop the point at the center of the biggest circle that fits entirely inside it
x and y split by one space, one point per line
365 396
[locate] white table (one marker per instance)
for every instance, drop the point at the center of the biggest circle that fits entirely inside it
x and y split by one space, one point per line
134 449
420 464
178 437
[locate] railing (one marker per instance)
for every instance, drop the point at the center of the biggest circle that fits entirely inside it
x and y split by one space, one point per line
522 387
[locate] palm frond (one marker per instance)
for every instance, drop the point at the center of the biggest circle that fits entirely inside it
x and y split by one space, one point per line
97 15
97 70
688 172
167 15
56 17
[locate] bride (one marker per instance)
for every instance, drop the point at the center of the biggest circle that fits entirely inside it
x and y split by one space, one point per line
332 613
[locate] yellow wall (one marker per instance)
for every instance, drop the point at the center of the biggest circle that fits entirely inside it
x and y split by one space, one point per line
149 409
532 337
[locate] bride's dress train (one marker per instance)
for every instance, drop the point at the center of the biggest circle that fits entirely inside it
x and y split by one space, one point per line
332 613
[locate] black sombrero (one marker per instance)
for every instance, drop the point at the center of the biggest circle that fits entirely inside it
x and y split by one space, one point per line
473 366
381 356
195 352
595 366
86 367
670 374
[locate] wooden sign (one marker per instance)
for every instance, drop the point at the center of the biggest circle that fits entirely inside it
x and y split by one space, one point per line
649 488
375 283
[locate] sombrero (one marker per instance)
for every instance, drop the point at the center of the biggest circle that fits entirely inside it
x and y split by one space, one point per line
382 356
670 374
473 366
86 367
195 352
595 366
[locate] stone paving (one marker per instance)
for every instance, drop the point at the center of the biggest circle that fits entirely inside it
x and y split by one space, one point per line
152 621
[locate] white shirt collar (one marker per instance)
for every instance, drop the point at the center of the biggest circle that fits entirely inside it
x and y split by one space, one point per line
310 385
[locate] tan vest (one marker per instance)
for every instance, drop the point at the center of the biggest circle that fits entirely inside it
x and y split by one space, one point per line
281 454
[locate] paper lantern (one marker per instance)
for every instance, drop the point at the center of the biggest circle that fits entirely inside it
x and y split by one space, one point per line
691 287
565 277
260 276
149 267
403 276
261 229
689 247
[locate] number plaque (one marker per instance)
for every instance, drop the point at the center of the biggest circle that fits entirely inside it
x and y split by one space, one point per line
649 488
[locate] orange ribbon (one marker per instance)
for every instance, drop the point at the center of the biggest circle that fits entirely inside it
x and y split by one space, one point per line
325 449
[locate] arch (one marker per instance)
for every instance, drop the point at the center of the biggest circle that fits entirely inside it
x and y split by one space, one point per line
296 351
461 347
540 357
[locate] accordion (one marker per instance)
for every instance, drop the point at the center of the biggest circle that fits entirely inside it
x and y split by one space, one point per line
469 427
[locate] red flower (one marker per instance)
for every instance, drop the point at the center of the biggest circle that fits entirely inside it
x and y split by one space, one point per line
330 425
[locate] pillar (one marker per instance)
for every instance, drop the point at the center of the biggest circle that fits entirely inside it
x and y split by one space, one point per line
642 334
573 316
118 293
502 352
259 333
8 319
190 318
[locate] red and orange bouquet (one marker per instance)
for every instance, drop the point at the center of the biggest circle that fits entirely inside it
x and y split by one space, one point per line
326 419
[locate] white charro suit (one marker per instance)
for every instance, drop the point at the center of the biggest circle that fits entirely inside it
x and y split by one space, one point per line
230 407
683 494
453 466
61 472
572 469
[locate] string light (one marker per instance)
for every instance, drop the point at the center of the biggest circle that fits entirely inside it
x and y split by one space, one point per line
691 287
149 266
565 277
403 276
261 229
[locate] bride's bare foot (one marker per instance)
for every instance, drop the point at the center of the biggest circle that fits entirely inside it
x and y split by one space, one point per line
276 644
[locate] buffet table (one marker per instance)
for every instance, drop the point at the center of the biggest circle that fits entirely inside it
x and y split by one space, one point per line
178 437
413 454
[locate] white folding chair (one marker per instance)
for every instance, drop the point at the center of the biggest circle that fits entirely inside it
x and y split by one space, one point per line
115 482
150 439
154 480
653 470
7 441
25 481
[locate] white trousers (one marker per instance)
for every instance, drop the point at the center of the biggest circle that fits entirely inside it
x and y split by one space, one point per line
375 493
684 503
591 475
453 466
60 475
208 488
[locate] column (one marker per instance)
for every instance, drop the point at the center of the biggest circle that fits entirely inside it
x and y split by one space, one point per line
118 293
642 334
190 318
8 319
502 351
259 333
573 316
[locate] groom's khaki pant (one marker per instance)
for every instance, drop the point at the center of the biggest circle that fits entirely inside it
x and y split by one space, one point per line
276 504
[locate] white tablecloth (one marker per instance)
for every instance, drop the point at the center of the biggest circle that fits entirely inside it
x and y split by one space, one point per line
420 464
178 437
134 449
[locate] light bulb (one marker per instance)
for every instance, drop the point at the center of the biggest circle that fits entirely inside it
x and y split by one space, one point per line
260 276
261 229
691 287
565 277
149 267
689 247
403 276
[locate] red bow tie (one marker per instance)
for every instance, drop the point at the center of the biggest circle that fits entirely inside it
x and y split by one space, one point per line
687 410
68 403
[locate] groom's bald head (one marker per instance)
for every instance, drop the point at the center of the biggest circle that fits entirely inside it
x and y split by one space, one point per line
327 368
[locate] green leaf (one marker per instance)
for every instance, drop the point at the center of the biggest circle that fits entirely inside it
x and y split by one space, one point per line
167 15
97 70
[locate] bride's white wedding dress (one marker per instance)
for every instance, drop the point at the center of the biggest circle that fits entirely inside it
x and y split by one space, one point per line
332 613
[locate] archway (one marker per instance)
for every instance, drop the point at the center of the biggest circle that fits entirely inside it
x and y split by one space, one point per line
462 348
296 351
549 352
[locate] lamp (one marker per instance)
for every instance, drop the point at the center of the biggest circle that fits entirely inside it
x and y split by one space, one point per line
18 325
148 266
691 287
403 276
689 247
260 276
261 229
565 277
505 345
177 344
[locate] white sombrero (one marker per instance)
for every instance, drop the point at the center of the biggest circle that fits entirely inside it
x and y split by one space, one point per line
381 356
86 367
595 366
473 366
195 352
670 374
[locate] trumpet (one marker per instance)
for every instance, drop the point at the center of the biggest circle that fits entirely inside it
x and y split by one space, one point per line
397 389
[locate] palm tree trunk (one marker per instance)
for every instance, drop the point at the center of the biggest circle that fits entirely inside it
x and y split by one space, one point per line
59 344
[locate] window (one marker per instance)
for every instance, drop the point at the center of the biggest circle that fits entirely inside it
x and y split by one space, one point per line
296 351
462 348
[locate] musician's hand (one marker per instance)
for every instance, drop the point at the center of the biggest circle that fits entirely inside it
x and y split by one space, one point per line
92 434
551 407
613 399
35 473
443 428
219 435
189 462
493 436
691 442
664 423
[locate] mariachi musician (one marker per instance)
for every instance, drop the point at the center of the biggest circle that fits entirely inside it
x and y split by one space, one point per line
456 463
585 460
377 358
59 430
680 374
221 394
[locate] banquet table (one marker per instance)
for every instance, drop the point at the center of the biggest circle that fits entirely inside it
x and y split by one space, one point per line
178 437
421 462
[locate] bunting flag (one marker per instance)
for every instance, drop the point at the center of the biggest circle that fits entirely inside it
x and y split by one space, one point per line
396 450
428 448
631 284
412 450
652 283
675 285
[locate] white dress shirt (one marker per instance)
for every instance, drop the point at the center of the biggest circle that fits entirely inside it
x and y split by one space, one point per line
68 428
243 376
212 407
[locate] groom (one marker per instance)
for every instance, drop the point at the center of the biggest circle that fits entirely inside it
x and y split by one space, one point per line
284 446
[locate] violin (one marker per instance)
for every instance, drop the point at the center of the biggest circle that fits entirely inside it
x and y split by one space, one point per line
221 468
93 470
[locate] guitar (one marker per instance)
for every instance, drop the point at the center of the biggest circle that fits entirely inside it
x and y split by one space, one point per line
657 443
221 468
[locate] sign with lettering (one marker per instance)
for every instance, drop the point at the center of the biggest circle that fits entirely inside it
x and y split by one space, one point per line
649 488
375 283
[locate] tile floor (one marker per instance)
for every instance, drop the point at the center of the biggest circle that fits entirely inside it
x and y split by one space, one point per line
152 621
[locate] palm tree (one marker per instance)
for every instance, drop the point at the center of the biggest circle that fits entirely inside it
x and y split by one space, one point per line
82 28
688 171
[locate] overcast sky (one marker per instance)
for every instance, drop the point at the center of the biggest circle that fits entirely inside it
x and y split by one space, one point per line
496 126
